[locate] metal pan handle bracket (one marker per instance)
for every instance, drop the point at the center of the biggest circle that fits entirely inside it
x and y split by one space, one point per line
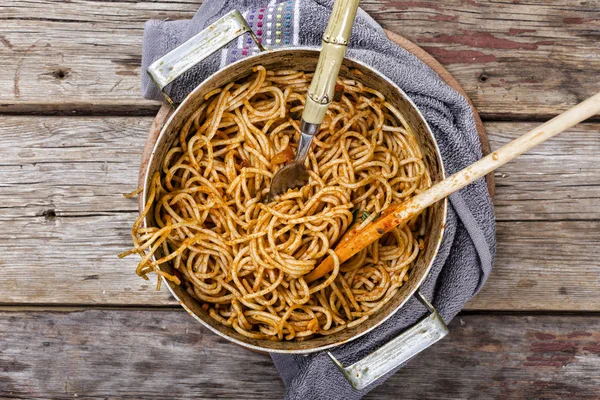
171 66
399 350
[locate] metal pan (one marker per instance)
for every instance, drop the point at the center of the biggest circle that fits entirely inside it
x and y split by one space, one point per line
424 333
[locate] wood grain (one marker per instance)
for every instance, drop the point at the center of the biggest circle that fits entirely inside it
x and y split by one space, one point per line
81 165
558 180
525 59
166 354
72 260
64 218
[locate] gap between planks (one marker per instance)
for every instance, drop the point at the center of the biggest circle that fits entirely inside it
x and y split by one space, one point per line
110 109
66 308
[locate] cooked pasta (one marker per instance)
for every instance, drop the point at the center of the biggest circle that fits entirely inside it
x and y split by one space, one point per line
244 259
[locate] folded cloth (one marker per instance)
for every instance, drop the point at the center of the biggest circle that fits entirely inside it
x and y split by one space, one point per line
467 252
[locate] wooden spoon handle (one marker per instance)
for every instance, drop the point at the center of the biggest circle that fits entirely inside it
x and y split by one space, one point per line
401 213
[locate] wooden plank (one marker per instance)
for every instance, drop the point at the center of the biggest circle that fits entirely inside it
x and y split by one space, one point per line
69 165
84 55
78 166
72 260
544 266
166 354
64 218
540 265
558 180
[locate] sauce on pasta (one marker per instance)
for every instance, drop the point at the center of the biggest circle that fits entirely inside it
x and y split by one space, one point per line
243 259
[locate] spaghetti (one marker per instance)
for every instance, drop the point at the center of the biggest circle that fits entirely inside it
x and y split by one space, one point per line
244 260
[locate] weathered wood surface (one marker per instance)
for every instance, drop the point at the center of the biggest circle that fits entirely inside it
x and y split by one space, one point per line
522 59
81 165
64 219
540 265
113 354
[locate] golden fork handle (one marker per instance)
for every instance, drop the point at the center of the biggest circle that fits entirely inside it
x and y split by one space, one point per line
335 43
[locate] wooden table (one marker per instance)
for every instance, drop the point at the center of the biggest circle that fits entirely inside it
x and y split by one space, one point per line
75 321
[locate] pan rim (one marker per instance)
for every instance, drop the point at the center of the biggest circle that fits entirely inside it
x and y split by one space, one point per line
363 332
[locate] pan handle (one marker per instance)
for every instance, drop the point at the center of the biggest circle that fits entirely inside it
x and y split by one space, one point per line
399 350
168 68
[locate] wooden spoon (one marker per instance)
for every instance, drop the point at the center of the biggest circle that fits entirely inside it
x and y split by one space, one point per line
354 241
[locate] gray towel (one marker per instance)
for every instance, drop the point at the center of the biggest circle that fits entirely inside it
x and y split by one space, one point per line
465 258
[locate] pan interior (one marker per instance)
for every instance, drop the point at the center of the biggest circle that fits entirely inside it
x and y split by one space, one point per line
306 60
